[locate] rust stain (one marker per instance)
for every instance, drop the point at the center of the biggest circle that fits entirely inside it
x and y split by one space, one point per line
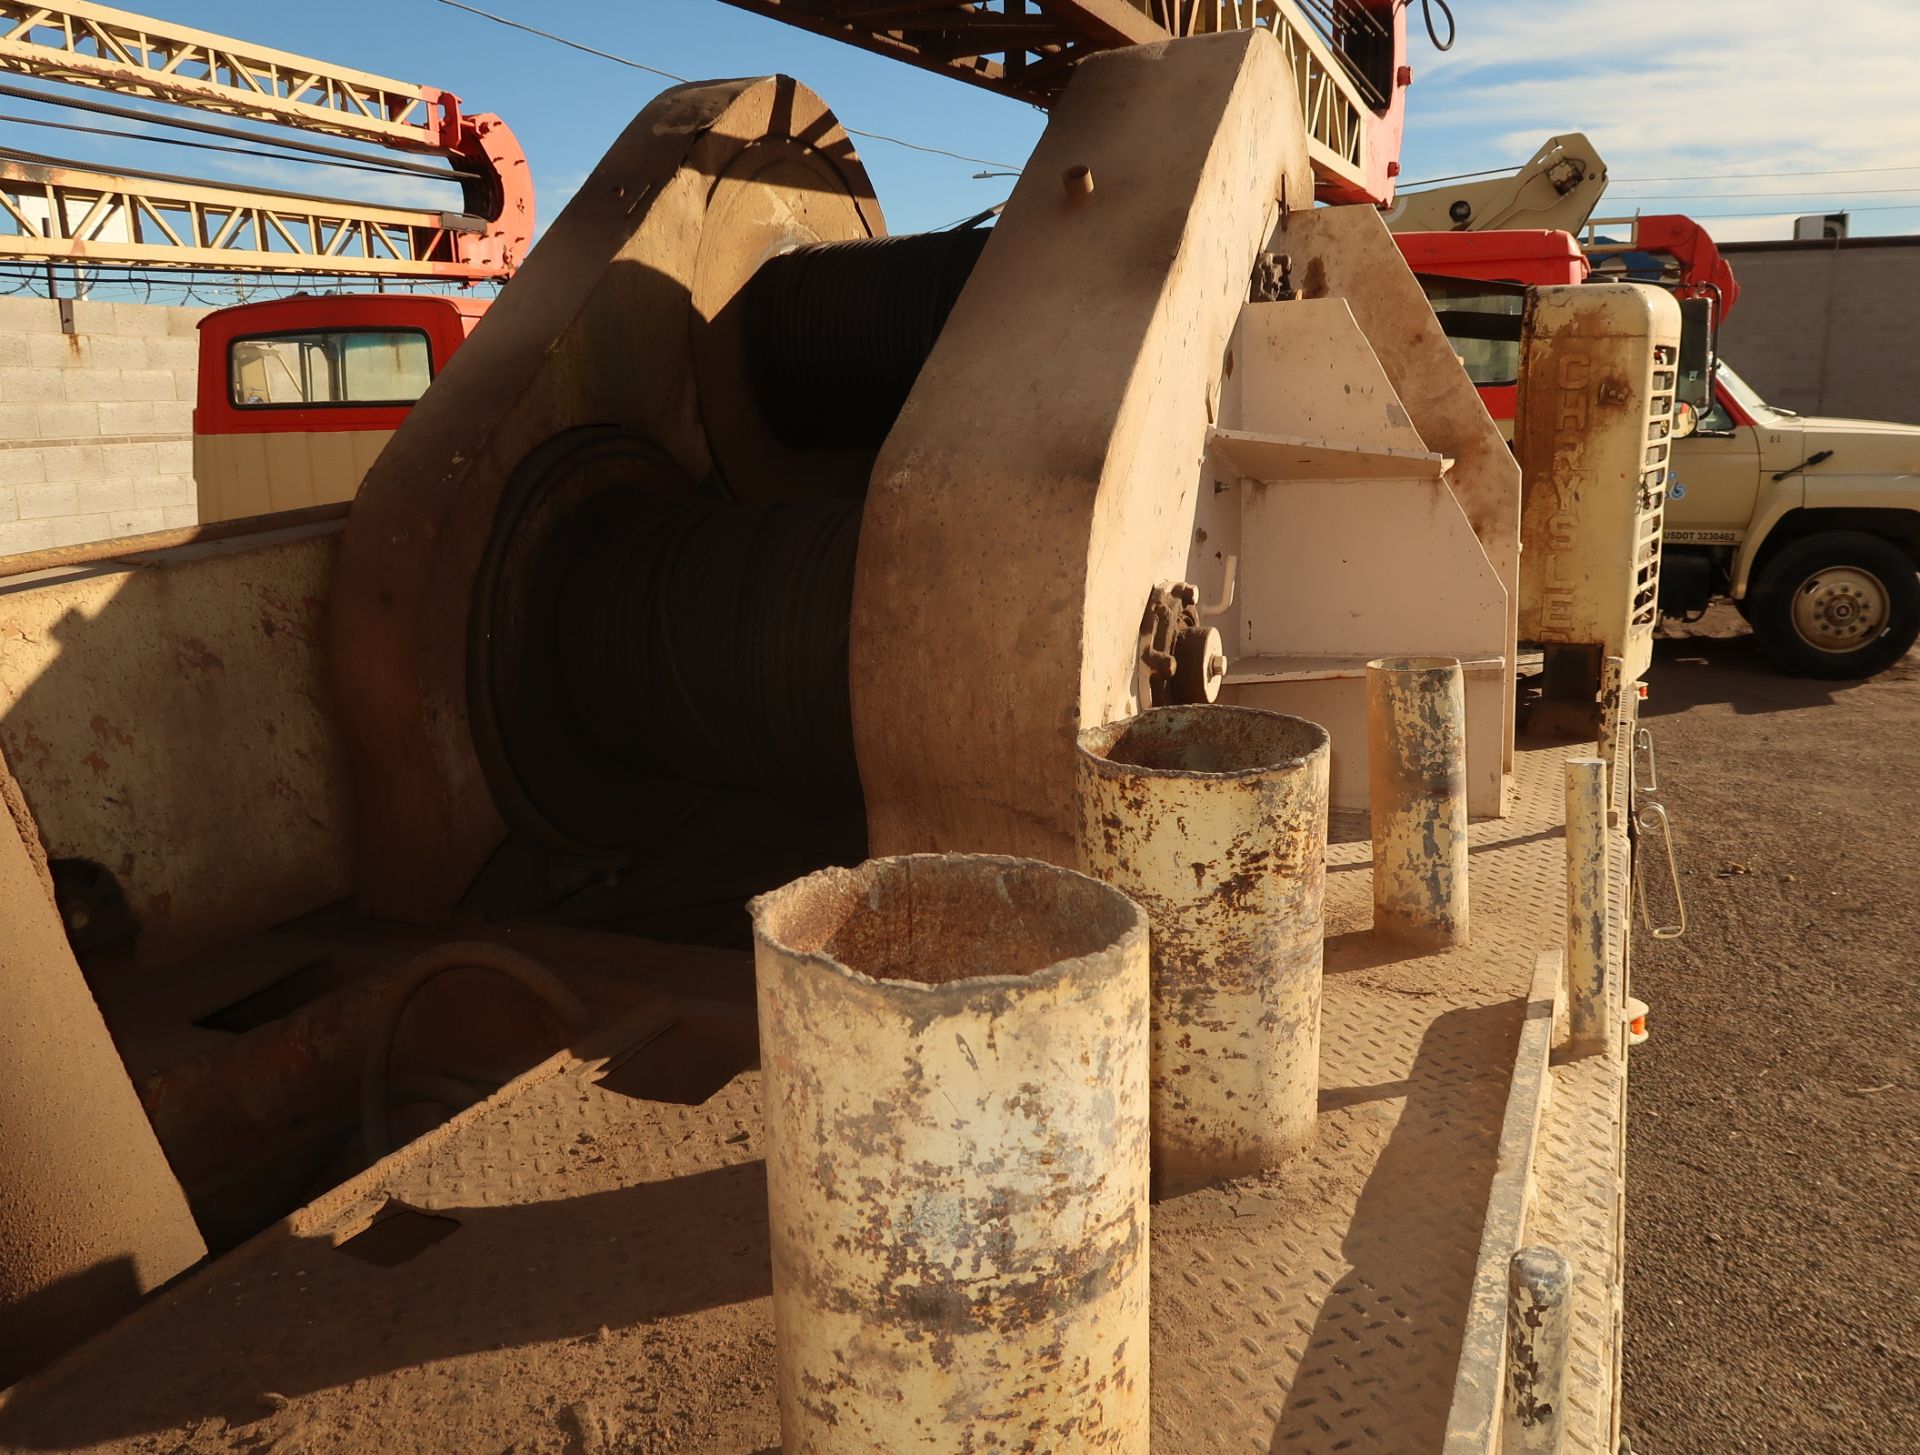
195 654
1213 819
959 1223
30 746
1416 719
106 731
1313 282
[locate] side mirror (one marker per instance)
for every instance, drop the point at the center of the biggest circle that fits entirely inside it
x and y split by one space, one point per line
1695 380
1686 419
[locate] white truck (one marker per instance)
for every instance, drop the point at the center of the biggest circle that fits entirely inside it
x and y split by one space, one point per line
1810 525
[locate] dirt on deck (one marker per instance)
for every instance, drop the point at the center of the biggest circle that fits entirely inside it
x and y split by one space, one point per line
1773 1230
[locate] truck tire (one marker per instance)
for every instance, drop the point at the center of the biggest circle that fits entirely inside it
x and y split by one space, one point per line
1838 604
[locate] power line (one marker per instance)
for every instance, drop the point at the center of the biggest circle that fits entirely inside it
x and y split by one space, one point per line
175 277
1788 211
1742 176
1459 177
562 40
1742 196
193 283
1686 177
671 76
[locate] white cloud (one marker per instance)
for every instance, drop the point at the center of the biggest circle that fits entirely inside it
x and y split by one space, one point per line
1671 91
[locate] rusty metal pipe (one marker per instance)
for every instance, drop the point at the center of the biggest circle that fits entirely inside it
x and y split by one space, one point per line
1214 820
1533 1411
955 1060
1589 1024
1417 763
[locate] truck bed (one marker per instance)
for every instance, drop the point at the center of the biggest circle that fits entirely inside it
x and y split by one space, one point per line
577 1265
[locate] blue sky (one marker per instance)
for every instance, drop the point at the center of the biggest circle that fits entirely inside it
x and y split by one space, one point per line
1710 93
567 107
1739 87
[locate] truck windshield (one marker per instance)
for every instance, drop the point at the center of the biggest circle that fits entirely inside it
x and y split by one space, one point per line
1742 393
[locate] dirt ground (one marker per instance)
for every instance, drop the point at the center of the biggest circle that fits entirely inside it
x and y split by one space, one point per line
1773 1230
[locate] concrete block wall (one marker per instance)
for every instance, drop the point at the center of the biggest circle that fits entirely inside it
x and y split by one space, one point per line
1829 329
96 424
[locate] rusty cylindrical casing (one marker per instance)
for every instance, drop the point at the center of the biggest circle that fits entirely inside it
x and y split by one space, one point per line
1587 1002
1533 1419
1214 819
955 1054
91 1217
1417 765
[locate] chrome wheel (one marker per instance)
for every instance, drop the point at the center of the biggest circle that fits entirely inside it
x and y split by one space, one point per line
1841 609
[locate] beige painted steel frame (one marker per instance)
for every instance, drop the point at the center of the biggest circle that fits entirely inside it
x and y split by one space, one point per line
1043 477
1352 541
1336 118
166 715
116 50
186 225
612 322
1347 252
1556 190
72 214
1391 473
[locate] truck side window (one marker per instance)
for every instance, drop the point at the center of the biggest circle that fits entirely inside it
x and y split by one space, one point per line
1714 419
1482 322
336 367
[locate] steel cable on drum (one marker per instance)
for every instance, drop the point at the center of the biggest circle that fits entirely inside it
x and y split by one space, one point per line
710 645
837 332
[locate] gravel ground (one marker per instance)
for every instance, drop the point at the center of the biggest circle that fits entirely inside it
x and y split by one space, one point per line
1773 1279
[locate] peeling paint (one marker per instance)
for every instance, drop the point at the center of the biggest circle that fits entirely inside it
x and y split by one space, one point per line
1214 819
1539 1318
1588 1004
955 1052
1417 766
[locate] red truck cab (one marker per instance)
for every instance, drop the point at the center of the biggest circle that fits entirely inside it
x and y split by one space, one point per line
296 397
1470 275
1475 282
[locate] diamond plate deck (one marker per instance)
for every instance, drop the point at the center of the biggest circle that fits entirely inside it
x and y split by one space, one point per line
604 1282
1322 1309
1577 1209
1579 1201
